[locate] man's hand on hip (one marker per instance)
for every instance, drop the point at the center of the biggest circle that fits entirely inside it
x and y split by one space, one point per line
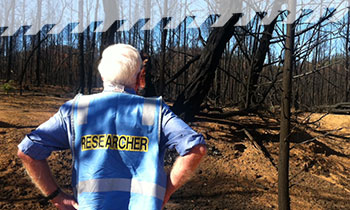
63 201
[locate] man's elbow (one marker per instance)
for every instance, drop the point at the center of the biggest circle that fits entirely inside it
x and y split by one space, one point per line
23 156
200 150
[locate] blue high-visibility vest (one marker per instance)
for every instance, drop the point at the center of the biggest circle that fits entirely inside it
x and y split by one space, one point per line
116 158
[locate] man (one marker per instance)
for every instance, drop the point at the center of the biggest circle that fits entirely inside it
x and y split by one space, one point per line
118 141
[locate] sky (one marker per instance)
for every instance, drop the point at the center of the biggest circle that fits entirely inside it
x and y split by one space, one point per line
17 13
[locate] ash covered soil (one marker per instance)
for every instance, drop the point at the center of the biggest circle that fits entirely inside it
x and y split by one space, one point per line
239 172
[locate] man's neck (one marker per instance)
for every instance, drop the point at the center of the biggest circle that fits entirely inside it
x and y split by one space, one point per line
109 87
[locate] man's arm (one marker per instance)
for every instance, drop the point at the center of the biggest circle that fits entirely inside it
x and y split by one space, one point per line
183 169
41 175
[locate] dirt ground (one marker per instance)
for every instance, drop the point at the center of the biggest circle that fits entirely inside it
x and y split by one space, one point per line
239 172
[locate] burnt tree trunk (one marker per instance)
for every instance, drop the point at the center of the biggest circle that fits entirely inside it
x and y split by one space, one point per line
92 54
38 52
92 58
81 51
163 50
26 64
111 10
188 102
283 161
38 61
257 65
10 43
347 59
147 33
9 63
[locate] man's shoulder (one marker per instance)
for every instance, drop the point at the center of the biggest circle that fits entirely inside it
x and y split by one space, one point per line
66 108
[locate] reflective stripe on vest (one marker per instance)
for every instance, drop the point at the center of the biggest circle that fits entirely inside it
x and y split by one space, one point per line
147 114
149 108
82 109
124 185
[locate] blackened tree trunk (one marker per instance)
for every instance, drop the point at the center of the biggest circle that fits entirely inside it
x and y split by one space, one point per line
92 54
38 59
283 163
111 10
163 46
38 52
92 58
9 62
70 56
163 63
347 59
257 63
81 50
26 64
188 102
10 43
147 33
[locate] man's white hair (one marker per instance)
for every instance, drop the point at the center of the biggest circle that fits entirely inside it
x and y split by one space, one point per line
120 65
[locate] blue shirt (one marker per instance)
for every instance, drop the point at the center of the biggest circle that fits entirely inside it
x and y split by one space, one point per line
55 133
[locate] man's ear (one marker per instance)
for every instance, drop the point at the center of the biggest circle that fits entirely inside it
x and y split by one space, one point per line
144 62
141 79
140 82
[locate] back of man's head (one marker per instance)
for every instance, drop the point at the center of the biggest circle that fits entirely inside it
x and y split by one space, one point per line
120 65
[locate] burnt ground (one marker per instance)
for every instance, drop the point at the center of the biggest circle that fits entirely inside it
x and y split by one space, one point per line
239 172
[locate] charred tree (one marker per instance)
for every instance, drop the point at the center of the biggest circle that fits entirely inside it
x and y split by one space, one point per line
163 49
188 102
147 33
347 59
38 52
81 51
92 58
257 64
111 11
92 53
283 162
26 64
10 43
9 62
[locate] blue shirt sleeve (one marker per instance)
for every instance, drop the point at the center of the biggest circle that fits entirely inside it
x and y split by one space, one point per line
177 134
50 136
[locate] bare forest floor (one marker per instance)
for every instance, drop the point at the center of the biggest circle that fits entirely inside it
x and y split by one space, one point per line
239 172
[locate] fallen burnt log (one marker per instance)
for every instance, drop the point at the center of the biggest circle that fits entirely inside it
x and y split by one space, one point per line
339 108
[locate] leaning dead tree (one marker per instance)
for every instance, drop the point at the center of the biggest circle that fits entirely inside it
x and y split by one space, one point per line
257 62
188 102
